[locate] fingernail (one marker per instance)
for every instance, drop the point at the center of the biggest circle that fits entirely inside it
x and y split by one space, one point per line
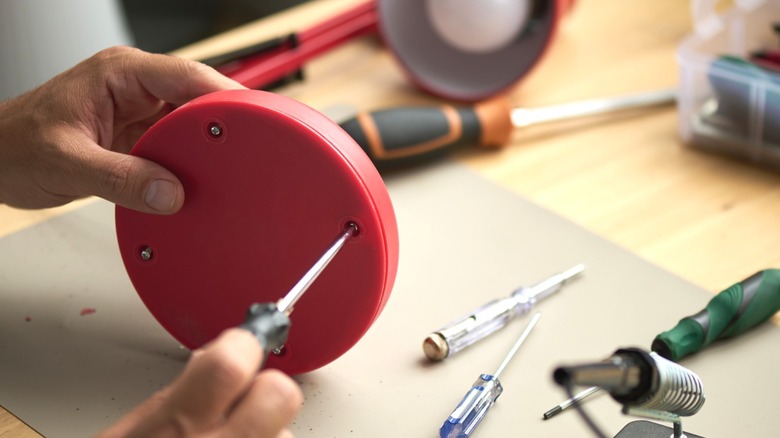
161 195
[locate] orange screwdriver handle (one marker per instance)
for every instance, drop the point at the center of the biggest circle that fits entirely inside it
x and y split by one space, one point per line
401 136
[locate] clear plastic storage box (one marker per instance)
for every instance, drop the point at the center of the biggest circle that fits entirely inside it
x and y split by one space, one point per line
726 102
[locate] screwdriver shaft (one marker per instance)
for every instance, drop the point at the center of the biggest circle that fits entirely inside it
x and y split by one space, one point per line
270 322
522 117
288 301
517 345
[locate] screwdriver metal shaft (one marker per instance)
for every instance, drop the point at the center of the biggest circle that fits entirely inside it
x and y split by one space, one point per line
288 301
522 117
270 322
517 345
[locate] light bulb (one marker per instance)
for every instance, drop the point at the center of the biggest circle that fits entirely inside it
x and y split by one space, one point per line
478 26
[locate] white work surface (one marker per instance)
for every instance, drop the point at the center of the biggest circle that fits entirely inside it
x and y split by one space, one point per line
464 242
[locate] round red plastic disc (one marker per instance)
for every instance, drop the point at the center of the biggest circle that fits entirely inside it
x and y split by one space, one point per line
269 185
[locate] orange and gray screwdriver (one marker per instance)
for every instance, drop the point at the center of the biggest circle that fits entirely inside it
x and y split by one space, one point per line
270 322
730 313
400 136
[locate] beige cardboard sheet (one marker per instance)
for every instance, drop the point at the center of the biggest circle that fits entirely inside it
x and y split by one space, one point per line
69 372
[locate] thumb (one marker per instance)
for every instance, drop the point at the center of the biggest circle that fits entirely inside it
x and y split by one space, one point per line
129 181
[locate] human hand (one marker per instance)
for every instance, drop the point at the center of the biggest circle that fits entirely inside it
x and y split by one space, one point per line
219 394
68 138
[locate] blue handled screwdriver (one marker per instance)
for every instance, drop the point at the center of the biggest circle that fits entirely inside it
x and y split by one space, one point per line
482 395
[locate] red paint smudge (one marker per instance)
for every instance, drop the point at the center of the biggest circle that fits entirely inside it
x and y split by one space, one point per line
87 311
27 318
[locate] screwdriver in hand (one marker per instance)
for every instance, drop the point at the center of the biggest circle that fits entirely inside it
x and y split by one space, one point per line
482 395
731 312
270 322
400 136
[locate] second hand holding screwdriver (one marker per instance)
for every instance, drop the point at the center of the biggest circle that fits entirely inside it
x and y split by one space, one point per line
494 315
405 135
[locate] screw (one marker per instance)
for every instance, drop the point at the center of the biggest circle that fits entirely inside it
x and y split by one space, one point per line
215 130
146 253
354 226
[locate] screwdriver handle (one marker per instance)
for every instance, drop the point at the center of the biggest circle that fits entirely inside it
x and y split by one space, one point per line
473 327
408 135
732 312
270 326
472 408
482 396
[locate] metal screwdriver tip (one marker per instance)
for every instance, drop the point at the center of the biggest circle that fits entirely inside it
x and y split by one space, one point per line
286 303
571 272
352 226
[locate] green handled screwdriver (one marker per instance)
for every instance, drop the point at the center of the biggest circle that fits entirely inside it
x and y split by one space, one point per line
400 136
731 312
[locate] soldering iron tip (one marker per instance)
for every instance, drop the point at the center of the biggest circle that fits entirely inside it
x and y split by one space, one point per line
552 412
